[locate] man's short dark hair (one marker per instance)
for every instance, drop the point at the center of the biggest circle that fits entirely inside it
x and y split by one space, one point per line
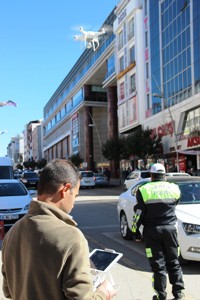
56 173
158 176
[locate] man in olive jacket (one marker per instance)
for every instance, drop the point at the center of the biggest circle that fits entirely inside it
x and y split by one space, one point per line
44 255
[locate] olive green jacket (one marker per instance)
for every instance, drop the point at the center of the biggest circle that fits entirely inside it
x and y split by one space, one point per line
46 257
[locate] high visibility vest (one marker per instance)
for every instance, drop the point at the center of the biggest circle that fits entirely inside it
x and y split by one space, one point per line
160 199
159 191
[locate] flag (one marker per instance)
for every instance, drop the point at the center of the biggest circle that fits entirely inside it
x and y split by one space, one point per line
9 102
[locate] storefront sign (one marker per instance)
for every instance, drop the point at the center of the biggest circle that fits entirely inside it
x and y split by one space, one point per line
163 130
126 70
193 141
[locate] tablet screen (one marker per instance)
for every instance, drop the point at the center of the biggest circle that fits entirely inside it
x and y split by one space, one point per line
101 260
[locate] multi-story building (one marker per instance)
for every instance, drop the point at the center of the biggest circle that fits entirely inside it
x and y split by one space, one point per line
146 73
37 142
15 149
82 112
28 139
158 74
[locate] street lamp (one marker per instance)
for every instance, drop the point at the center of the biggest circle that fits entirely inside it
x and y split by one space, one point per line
161 96
99 138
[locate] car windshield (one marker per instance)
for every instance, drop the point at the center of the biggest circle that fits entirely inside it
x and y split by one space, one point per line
145 174
190 192
6 172
12 189
30 175
87 174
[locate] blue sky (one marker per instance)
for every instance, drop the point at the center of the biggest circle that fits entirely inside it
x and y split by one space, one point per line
37 50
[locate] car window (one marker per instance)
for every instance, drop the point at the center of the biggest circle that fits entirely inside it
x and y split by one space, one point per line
99 175
190 192
133 175
6 172
145 174
30 175
12 189
87 174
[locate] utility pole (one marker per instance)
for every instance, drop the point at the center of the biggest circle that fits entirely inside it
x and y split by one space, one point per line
161 96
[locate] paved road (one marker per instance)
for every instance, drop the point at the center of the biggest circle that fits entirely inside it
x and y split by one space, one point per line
98 220
134 281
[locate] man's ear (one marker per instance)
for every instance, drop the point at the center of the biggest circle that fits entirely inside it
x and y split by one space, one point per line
66 187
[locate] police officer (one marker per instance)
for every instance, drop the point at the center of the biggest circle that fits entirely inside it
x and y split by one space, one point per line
155 209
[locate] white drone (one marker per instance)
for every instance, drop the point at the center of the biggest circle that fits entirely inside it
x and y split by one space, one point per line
90 38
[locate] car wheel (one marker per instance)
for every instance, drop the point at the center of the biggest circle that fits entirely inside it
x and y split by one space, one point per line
124 229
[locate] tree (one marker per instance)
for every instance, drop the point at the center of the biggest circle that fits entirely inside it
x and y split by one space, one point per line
42 163
115 149
76 159
30 164
144 143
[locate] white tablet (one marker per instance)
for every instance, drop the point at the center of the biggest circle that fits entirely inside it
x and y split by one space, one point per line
103 260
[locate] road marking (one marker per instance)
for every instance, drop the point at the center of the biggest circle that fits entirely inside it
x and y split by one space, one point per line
94 198
99 227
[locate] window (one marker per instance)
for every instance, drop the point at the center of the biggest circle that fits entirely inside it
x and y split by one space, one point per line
121 64
122 91
131 29
63 111
120 40
133 85
145 7
147 70
110 65
146 39
132 54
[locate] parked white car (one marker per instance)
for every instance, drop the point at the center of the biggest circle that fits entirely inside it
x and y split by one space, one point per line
177 174
134 176
188 214
14 201
87 179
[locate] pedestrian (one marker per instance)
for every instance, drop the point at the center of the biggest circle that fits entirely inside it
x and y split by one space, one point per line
108 174
44 255
155 209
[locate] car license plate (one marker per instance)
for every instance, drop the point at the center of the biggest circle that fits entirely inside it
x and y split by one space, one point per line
9 217
32 182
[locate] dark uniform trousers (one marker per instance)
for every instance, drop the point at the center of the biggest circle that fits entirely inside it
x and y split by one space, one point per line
162 252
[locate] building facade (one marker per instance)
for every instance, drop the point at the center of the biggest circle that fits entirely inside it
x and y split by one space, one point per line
15 149
29 143
146 73
82 112
160 90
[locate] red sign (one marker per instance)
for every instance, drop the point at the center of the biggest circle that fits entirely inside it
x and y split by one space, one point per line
165 129
193 141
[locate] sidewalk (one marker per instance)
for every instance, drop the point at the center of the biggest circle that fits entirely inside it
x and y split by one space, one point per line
132 284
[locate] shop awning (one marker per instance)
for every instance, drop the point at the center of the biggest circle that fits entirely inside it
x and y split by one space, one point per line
189 152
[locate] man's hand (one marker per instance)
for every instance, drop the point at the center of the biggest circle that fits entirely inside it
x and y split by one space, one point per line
107 288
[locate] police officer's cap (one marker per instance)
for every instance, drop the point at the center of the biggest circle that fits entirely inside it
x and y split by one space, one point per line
157 169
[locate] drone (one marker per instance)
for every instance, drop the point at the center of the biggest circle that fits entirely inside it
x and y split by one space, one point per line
90 38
